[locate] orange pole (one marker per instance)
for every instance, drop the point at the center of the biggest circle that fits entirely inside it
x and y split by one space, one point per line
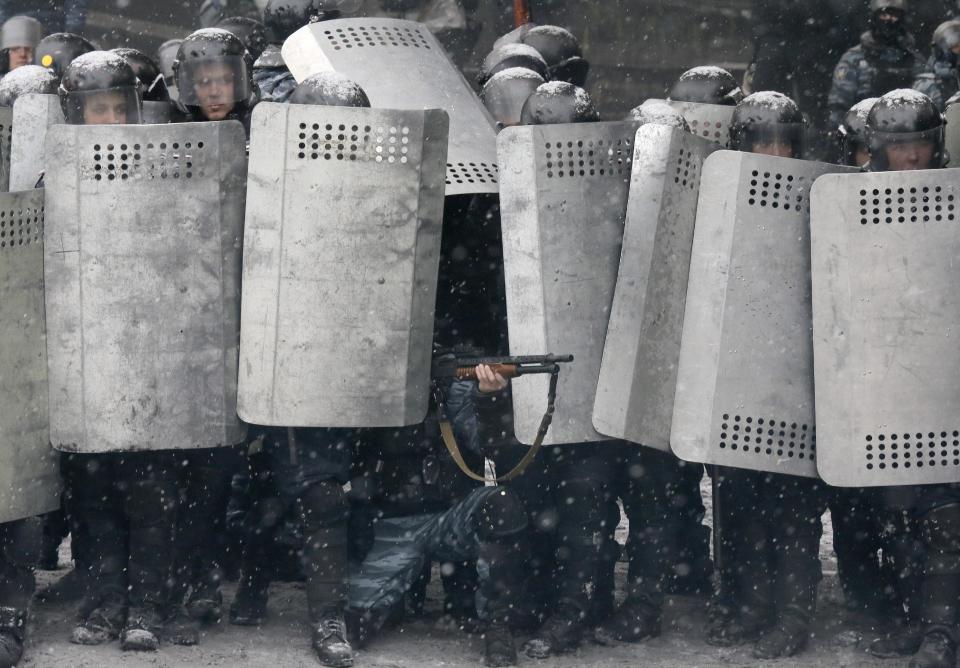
521 12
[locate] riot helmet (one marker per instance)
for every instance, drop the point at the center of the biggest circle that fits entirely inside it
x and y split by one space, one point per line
768 122
515 36
25 80
905 130
946 42
510 56
152 83
562 52
212 12
18 40
100 88
331 90
213 73
251 32
58 50
505 93
852 134
558 102
166 54
706 85
888 20
285 17
659 113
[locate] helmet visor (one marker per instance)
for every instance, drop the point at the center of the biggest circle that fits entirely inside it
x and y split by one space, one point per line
211 82
785 140
907 150
108 106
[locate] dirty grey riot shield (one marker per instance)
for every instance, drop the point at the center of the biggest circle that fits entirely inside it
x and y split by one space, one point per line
32 116
142 252
563 200
952 136
886 313
710 121
6 130
745 380
401 65
638 374
341 253
29 469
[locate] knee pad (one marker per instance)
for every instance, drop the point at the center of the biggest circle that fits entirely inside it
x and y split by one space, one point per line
21 540
322 505
501 515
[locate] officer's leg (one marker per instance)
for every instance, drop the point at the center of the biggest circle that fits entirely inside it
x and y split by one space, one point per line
795 506
696 567
100 516
941 580
150 498
19 551
55 529
74 584
856 542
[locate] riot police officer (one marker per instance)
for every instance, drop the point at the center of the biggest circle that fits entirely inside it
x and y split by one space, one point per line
251 32
18 39
886 58
152 83
770 522
941 81
559 48
706 85
852 134
58 50
19 550
506 91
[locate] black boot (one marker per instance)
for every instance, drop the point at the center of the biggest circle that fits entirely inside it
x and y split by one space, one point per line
499 650
330 640
141 632
13 625
904 640
788 637
561 633
636 620
205 603
938 650
102 624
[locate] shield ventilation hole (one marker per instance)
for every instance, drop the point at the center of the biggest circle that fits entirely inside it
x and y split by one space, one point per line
376 35
914 204
588 157
471 172
120 162
688 169
784 192
767 437
918 450
351 142
713 130
20 227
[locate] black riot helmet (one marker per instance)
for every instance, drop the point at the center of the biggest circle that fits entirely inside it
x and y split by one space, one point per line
25 80
285 17
251 32
905 118
148 72
659 113
515 36
330 90
166 55
512 55
558 102
767 118
706 85
58 50
562 52
213 67
946 38
888 20
505 93
852 133
100 88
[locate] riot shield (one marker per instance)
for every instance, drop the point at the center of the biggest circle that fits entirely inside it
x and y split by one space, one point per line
401 65
29 468
32 115
885 316
341 253
156 113
142 269
638 374
710 121
6 130
745 379
562 213
952 115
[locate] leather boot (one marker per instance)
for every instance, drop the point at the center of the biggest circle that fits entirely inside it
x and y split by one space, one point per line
13 626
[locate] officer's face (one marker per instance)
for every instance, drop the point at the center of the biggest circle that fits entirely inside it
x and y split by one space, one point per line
214 86
107 108
19 56
777 149
909 155
861 157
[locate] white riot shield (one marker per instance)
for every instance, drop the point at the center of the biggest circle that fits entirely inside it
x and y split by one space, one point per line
29 468
6 130
886 313
341 253
638 374
401 65
32 116
142 267
745 380
563 202
709 121
952 115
